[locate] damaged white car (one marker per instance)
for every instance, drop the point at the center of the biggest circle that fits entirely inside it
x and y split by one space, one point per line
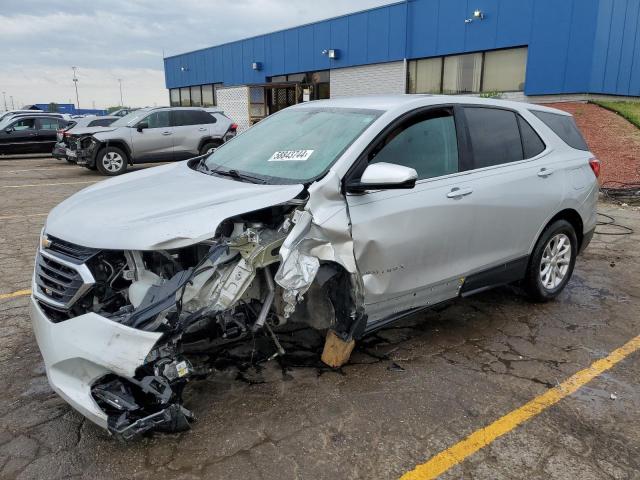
340 215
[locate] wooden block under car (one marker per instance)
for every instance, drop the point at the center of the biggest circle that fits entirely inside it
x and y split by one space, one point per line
336 351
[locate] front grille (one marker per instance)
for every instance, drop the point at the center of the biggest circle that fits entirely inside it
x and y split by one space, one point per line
59 282
71 251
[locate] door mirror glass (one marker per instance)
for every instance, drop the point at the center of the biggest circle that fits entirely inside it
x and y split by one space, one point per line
142 125
384 176
9 129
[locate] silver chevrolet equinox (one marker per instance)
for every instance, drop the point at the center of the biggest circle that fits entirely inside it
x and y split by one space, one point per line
340 216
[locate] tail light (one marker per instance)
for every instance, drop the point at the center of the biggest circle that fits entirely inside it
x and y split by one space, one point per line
233 127
594 163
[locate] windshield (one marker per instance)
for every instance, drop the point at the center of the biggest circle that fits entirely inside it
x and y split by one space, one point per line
130 119
293 146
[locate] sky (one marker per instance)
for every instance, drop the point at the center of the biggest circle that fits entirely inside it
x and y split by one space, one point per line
126 39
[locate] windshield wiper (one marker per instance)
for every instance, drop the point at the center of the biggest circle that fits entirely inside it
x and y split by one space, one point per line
240 176
202 165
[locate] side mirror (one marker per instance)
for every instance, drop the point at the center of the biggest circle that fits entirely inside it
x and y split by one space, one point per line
142 125
384 176
9 129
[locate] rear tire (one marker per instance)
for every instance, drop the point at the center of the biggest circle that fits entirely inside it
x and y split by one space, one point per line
209 147
111 161
552 261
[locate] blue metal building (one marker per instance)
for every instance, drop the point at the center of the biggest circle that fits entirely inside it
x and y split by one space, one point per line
69 108
565 47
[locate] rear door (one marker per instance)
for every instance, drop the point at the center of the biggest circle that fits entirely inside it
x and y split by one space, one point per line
514 189
191 127
155 143
47 132
20 136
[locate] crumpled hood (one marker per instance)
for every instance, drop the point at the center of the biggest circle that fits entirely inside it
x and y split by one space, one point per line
171 206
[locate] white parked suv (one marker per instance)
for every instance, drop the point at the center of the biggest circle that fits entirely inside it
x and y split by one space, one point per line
160 134
340 215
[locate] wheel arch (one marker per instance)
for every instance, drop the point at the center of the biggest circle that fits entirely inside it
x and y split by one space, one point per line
209 139
121 144
573 217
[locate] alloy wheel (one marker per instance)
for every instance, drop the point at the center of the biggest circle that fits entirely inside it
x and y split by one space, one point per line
556 258
112 162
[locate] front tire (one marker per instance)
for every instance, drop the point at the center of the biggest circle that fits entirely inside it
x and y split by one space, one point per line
111 161
552 261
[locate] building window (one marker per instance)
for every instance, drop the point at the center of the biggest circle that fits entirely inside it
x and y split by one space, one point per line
185 97
174 97
462 73
425 76
196 96
504 70
208 99
493 71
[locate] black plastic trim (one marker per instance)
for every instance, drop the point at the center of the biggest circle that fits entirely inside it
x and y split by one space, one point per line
494 277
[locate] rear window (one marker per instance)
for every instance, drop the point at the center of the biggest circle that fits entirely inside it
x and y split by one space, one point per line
102 122
565 127
191 117
495 136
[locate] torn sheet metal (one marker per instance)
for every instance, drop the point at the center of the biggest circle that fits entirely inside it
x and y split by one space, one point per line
321 233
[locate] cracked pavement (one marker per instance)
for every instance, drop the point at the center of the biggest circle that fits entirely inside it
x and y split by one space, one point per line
409 391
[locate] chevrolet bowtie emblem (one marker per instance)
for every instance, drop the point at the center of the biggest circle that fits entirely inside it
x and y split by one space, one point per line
45 242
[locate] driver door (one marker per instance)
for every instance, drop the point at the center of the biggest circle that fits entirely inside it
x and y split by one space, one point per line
411 246
20 137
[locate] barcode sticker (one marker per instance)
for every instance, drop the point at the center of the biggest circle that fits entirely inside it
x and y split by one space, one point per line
291 156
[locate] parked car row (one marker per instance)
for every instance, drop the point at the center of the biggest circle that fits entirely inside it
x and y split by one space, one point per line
110 144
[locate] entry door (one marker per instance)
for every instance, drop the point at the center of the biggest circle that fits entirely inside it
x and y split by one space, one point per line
155 143
282 97
411 246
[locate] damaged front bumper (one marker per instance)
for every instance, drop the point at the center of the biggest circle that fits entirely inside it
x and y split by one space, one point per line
81 350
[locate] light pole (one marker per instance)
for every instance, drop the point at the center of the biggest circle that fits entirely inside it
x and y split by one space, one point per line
75 82
120 82
4 97
12 105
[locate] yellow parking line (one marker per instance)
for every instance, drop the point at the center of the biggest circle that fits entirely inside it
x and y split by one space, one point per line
19 293
47 184
454 455
9 217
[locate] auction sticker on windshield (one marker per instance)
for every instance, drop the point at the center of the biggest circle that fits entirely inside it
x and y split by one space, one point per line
291 156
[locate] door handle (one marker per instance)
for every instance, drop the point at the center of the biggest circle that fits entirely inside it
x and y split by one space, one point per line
166 133
545 172
202 129
457 192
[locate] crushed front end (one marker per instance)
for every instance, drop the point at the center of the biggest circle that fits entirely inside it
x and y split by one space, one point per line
122 333
82 149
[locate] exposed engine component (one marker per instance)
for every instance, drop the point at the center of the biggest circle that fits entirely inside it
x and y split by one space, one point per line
250 279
